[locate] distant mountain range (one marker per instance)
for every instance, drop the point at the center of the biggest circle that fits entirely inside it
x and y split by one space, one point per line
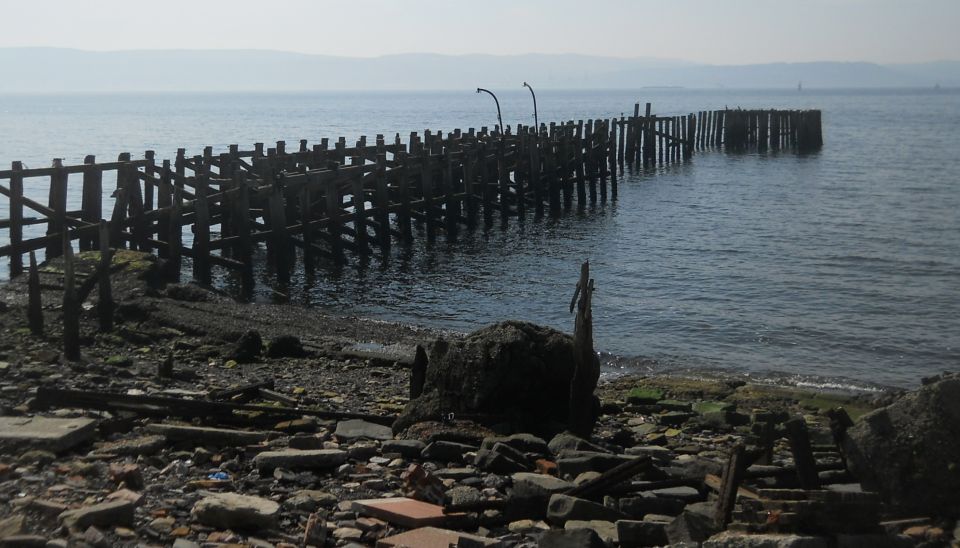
60 70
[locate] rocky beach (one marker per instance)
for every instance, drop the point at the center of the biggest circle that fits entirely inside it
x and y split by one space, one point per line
198 420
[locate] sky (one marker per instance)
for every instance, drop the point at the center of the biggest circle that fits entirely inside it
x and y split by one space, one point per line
702 31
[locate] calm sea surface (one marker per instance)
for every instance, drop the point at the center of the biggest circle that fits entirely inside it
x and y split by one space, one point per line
837 268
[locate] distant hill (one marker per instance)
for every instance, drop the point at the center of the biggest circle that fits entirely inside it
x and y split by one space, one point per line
59 70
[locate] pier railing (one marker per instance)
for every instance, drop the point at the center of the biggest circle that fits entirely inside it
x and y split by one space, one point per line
328 201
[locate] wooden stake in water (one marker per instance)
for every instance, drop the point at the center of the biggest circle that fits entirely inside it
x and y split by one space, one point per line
71 306
34 306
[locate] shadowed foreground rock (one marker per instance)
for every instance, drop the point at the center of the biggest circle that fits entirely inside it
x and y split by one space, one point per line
513 373
909 451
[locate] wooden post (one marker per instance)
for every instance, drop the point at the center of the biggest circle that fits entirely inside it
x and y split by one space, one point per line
732 476
34 305
802 453
579 162
402 180
104 290
201 229
382 196
469 182
334 207
241 215
57 223
71 307
16 217
586 364
451 206
164 201
175 236
135 205
503 177
426 189
305 229
91 200
278 229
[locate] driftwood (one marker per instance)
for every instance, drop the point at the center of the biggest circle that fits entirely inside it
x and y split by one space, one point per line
180 407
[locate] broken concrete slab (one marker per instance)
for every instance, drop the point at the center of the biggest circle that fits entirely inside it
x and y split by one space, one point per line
230 510
50 434
433 537
405 512
202 435
295 459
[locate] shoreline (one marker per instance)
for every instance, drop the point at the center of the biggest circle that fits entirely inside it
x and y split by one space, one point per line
185 344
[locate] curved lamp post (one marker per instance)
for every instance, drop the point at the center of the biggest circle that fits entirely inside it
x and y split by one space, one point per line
536 121
500 118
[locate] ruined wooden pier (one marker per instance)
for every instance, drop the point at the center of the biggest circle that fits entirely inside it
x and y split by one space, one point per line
329 200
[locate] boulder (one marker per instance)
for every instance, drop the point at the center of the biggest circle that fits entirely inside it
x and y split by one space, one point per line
514 372
233 511
908 450
529 485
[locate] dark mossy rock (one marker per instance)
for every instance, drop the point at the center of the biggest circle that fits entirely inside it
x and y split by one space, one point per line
512 372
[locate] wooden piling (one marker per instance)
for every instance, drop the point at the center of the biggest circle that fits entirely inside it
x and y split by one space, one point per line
105 303
71 306
34 305
16 218
57 203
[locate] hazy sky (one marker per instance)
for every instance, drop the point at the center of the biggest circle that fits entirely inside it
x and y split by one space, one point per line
709 31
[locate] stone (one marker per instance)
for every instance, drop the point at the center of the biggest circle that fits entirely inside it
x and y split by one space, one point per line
403 511
684 493
464 495
246 349
704 407
141 445
567 440
874 541
525 526
563 508
310 500
730 539
285 346
573 463
10 526
515 369
24 541
433 537
641 533
607 531
525 443
639 506
908 450
203 435
497 462
315 532
95 537
529 485
408 449
105 514
295 459
575 538
184 543
694 525
347 533
356 428
446 451
233 511
644 396
50 434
